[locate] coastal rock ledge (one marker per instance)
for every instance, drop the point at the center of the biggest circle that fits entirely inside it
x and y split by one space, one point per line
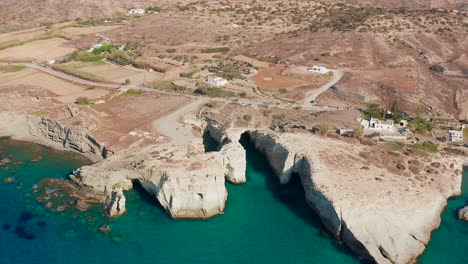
382 216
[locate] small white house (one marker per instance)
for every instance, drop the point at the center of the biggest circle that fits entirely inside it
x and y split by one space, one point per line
318 69
376 124
51 62
403 123
456 135
136 11
95 46
218 81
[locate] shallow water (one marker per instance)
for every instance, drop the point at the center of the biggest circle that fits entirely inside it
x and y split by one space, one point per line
264 222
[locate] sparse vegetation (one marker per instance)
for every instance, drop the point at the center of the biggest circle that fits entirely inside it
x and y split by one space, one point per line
38 113
420 125
216 50
75 71
6 69
426 146
83 100
132 92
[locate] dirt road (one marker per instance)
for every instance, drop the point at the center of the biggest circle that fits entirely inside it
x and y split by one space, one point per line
310 100
173 126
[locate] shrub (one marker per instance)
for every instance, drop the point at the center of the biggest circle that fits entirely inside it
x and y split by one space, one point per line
247 118
171 50
127 81
358 132
323 130
83 100
283 90
420 125
132 92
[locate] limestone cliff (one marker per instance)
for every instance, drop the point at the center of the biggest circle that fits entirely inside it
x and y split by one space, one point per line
188 184
233 153
50 132
373 211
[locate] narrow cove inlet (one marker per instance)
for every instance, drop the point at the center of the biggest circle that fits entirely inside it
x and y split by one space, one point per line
264 222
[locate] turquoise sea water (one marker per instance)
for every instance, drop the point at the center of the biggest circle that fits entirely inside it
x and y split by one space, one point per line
263 222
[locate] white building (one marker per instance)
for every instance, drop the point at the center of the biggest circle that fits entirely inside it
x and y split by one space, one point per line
318 69
136 11
376 124
218 81
456 135
403 123
51 62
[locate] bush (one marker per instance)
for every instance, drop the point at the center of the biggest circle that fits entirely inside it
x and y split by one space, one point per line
420 125
132 92
171 50
83 100
247 118
283 90
213 91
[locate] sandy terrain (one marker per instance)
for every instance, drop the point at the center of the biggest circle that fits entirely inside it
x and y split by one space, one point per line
253 62
171 125
40 50
21 35
61 90
119 74
125 113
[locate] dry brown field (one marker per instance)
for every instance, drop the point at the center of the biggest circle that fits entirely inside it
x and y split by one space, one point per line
59 89
40 50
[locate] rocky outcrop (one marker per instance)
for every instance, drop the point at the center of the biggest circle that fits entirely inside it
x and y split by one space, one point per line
188 184
463 213
358 206
115 203
51 133
233 153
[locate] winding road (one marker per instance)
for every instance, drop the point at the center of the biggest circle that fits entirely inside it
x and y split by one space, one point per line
337 75
306 105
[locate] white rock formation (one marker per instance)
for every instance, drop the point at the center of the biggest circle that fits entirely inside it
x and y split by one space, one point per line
188 184
385 219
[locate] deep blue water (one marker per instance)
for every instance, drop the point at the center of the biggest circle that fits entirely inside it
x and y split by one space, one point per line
264 222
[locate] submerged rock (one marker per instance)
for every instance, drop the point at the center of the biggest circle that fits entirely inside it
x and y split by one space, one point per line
105 228
463 213
9 180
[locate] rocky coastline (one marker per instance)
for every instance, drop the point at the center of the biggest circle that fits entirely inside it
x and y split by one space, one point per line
188 182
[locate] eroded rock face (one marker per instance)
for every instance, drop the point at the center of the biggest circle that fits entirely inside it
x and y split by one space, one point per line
187 183
50 132
115 203
233 153
463 213
382 219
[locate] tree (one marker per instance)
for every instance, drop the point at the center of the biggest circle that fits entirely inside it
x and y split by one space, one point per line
374 110
83 100
395 108
396 112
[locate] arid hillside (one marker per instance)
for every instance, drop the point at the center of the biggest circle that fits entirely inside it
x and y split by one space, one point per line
19 14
